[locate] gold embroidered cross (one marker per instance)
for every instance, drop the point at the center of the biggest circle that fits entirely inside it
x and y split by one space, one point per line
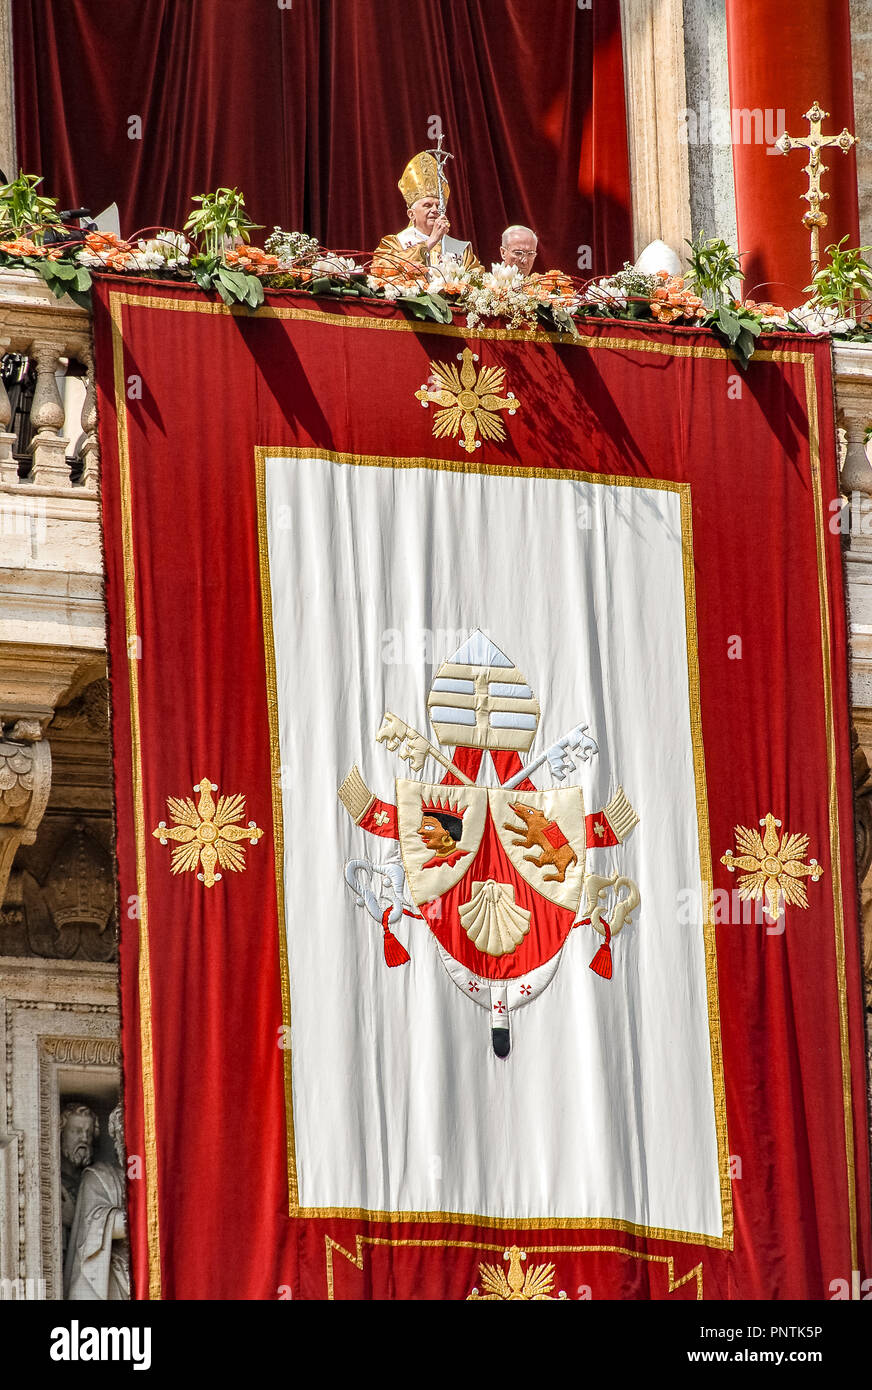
535 1284
772 868
469 400
207 834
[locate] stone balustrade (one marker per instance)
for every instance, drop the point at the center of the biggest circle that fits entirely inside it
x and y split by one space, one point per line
52 623
852 364
50 549
853 384
36 324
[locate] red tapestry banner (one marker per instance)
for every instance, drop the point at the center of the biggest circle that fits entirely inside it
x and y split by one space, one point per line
484 808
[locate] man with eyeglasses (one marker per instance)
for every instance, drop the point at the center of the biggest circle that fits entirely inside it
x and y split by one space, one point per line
518 248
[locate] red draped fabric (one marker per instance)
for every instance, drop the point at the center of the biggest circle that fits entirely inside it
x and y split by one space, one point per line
784 55
313 109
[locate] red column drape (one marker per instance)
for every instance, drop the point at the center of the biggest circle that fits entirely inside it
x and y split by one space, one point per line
783 55
314 109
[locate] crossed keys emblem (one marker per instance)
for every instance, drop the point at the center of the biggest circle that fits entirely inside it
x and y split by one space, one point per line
395 732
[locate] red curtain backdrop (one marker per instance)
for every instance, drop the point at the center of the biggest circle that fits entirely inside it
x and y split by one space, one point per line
786 54
314 109
202 1010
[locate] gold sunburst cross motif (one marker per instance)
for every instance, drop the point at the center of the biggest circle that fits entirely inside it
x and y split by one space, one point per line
772 868
534 1285
470 400
207 833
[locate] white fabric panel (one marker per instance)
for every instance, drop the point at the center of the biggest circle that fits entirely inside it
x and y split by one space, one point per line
605 1106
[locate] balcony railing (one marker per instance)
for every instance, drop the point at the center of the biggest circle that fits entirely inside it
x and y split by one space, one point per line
55 336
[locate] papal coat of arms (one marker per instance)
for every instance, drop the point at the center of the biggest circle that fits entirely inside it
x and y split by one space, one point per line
498 873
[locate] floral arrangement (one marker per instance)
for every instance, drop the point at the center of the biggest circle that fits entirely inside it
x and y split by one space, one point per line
547 300
498 293
291 248
215 252
661 296
771 315
617 292
554 287
104 251
22 248
671 301
252 260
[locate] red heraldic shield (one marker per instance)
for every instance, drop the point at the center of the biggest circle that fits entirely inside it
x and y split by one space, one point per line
500 911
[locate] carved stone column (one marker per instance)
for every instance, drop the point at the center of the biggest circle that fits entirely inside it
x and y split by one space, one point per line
853 382
25 782
90 450
8 464
853 366
50 467
654 80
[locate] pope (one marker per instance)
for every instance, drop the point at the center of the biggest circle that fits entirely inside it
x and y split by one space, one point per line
425 242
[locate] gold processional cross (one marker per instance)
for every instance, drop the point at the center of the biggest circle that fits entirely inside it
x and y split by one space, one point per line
814 142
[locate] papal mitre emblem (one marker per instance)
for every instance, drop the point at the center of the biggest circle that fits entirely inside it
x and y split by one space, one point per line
479 699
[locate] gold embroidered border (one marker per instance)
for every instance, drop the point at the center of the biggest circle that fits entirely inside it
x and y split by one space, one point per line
146 1041
117 300
507 335
357 1259
833 805
272 702
682 490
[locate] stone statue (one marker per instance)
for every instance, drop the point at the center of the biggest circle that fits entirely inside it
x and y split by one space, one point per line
78 1130
97 1263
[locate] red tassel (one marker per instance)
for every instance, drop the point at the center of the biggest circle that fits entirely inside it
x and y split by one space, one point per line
395 951
602 961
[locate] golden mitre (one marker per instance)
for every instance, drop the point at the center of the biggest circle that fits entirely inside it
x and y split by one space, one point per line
421 179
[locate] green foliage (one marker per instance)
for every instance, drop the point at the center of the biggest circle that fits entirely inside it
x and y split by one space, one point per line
712 266
738 328
23 211
426 306
845 282
64 277
234 286
555 319
221 218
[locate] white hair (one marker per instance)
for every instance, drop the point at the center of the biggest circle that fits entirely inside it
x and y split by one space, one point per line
527 231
